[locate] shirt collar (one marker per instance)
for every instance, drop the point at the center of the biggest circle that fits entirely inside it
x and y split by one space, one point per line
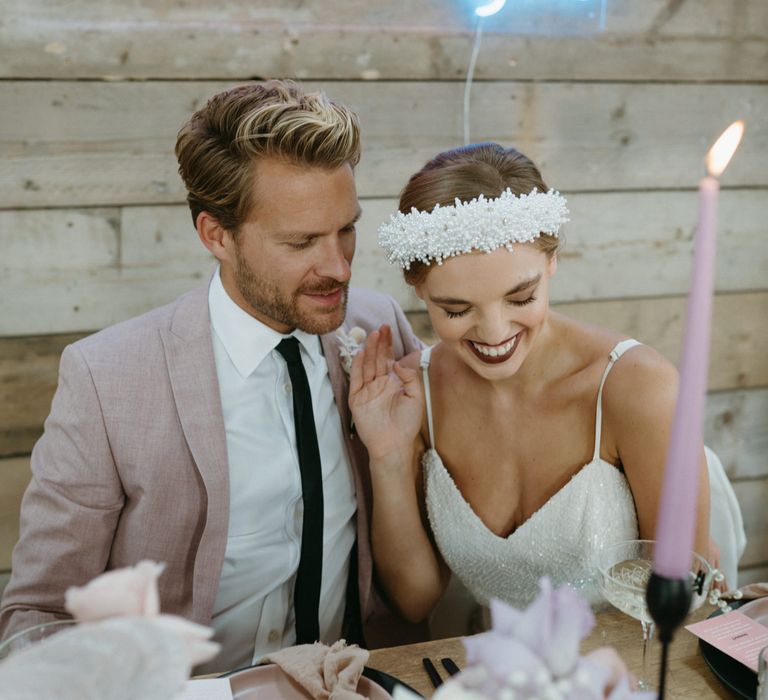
246 339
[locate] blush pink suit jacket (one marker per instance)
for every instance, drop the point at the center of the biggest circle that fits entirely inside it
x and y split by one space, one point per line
132 465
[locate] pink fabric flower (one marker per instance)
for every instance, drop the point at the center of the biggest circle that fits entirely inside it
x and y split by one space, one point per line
117 593
535 653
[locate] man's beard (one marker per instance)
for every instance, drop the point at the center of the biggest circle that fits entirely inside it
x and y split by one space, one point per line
266 298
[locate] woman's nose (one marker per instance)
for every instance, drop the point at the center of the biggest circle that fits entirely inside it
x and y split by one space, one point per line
495 328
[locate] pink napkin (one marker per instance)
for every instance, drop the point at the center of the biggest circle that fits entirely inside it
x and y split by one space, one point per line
751 591
132 592
326 673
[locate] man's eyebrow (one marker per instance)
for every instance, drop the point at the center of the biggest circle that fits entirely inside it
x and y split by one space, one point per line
291 235
525 284
356 218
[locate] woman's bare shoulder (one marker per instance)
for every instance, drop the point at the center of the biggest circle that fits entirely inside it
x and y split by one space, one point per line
641 387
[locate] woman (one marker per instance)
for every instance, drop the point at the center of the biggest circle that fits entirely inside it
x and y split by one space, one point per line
523 441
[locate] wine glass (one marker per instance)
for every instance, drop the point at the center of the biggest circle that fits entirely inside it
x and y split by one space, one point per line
623 572
32 635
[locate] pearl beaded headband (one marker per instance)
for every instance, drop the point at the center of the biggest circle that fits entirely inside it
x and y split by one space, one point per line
480 224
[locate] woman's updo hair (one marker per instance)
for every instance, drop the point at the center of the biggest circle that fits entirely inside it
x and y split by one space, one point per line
466 173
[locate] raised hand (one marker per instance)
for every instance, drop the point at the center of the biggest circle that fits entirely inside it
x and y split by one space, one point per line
386 399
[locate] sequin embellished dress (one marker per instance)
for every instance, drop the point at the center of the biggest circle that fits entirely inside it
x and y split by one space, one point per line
559 540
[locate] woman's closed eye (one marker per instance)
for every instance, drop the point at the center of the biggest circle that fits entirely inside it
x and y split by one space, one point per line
523 302
456 314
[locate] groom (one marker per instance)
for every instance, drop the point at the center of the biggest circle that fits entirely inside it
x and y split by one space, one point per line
213 434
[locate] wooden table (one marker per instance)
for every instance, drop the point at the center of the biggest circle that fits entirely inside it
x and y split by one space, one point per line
688 675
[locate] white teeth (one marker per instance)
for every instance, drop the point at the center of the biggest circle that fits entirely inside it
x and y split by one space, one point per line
494 352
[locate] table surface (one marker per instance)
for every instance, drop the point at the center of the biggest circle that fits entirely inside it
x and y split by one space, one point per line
688 675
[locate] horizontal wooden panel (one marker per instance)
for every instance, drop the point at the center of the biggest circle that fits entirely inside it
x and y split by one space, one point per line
619 245
640 40
736 427
737 421
740 331
28 377
15 475
753 495
89 143
68 270
753 574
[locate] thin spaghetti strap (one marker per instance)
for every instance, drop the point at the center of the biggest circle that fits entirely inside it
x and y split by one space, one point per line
425 353
615 354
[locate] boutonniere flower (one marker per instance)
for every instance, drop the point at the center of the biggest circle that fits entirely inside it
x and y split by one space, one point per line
350 343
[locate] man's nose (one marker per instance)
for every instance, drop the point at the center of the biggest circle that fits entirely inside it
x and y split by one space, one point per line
335 260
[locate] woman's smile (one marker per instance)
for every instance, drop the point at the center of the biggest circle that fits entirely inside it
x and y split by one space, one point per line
495 354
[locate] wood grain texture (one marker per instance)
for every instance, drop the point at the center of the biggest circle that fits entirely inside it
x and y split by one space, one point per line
688 676
28 379
739 331
736 427
15 475
709 40
61 264
77 143
737 413
753 497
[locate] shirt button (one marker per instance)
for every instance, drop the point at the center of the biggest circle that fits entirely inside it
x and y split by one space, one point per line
273 637
287 387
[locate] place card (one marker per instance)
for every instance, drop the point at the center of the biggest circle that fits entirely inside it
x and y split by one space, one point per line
734 634
206 689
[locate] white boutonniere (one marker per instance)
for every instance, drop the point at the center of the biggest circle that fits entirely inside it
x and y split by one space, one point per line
350 343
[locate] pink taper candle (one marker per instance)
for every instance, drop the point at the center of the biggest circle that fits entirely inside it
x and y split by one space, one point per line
675 529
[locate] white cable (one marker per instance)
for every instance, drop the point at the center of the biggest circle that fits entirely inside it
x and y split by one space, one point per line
470 74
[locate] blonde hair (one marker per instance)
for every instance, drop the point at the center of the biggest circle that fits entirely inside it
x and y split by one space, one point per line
466 173
218 147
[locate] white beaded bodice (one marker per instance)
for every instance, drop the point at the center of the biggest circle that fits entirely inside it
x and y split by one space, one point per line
560 540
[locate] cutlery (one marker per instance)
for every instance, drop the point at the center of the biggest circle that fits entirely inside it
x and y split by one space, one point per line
434 676
450 666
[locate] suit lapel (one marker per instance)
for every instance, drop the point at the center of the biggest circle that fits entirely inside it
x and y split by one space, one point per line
192 371
358 459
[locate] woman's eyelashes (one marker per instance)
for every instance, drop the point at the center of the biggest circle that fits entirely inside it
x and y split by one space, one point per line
514 302
456 314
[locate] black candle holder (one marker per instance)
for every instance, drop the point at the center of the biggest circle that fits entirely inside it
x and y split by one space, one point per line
669 601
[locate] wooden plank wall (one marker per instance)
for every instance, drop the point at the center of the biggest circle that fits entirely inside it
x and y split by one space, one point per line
93 228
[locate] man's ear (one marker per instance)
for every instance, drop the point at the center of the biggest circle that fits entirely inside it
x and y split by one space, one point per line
214 236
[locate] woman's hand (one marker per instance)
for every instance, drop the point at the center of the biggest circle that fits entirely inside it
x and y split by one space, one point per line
386 399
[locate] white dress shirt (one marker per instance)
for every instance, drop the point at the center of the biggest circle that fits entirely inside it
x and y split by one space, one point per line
253 612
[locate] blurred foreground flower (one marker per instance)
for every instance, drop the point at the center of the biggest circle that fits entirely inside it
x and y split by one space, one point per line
535 653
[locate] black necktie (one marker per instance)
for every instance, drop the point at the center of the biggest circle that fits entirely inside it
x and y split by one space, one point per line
306 595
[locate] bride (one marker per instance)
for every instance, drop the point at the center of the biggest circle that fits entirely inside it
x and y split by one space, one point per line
523 441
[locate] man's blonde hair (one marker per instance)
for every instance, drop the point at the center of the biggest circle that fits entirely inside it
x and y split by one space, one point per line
219 146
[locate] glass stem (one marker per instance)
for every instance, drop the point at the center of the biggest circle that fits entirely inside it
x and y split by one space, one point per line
644 682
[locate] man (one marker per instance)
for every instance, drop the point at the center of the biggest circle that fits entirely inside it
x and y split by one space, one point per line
213 434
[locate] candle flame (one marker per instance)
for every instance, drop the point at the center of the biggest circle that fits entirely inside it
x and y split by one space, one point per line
723 149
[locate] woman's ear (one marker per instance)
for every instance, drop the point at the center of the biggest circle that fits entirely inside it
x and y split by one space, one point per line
419 289
214 236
